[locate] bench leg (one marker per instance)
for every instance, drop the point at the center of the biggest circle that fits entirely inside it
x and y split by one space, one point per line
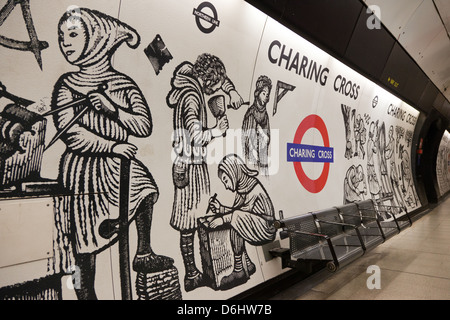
285 256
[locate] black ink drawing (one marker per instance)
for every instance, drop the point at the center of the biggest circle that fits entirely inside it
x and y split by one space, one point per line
386 151
99 163
22 137
256 127
346 113
359 133
386 191
442 165
13 98
397 199
190 83
400 133
408 137
249 219
217 106
158 54
360 136
388 183
372 177
354 184
285 87
408 189
34 45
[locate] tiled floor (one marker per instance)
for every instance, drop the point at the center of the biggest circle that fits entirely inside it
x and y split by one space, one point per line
413 265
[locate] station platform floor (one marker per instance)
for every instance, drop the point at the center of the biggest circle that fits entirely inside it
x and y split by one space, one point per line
413 265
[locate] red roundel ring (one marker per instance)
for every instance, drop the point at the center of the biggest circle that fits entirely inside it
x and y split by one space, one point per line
312 121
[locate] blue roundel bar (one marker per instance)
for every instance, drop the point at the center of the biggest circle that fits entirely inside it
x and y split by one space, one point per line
308 153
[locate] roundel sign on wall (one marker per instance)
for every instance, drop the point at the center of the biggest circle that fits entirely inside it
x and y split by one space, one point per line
206 17
299 153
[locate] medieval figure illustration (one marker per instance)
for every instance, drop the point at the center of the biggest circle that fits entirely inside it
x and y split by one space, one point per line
346 113
407 184
250 217
396 198
372 178
386 191
354 184
360 136
408 137
400 133
256 127
191 83
97 109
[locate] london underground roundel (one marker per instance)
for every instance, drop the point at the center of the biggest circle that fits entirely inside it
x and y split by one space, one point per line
299 153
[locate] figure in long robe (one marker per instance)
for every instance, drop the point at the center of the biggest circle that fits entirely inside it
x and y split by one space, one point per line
190 85
96 142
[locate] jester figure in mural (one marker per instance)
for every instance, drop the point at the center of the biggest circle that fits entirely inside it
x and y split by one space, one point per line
113 109
250 217
191 83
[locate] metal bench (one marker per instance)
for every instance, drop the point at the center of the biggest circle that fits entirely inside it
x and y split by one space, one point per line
318 237
388 227
385 212
368 224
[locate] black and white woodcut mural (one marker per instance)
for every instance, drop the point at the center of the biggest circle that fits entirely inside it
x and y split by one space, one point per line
158 142
442 164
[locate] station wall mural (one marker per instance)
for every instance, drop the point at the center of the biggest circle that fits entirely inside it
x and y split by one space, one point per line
442 164
157 143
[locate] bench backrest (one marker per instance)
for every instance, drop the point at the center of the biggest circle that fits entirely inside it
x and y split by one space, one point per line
332 215
350 213
367 207
304 223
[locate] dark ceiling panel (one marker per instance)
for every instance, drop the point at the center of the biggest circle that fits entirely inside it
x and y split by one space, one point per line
369 49
445 109
273 8
399 67
415 86
340 28
439 101
329 22
428 97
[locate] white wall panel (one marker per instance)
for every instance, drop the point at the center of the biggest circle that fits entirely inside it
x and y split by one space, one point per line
307 85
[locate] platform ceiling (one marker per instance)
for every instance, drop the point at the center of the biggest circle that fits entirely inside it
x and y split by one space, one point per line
419 60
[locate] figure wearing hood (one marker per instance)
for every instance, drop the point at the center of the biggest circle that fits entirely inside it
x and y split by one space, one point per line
251 215
189 85
256 127
95 143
